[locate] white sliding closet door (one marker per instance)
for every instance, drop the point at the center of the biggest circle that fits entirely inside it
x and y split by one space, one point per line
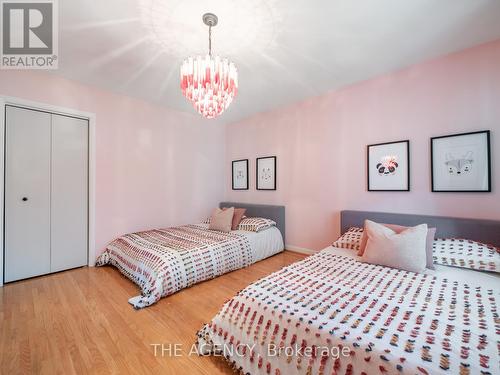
46 193
69 204
27 193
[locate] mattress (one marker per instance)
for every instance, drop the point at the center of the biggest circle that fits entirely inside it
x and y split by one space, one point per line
264 244
164 261
331 314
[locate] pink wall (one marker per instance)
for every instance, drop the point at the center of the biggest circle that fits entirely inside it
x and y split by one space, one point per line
321 143
154 167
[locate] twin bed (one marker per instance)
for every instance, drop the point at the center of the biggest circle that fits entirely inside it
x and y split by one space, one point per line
331 313
164 261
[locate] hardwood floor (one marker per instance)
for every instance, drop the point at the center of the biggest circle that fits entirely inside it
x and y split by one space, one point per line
79 321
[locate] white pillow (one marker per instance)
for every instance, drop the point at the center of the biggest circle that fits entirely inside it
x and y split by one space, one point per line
405 250
222 220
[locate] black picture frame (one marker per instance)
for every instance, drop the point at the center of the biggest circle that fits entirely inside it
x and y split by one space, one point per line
368 169
257 161
488 162
232 174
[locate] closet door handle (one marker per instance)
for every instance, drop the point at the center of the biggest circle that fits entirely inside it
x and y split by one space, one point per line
25 199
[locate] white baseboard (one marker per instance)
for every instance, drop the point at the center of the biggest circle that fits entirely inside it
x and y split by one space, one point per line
301 250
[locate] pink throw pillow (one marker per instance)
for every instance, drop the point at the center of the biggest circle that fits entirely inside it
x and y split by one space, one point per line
431 235
222 220
239 213
405 250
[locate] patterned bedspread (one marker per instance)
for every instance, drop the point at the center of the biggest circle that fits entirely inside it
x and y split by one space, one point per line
330 314
163 261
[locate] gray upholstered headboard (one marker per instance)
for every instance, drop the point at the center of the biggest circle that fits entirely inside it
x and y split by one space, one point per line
487 231
275 213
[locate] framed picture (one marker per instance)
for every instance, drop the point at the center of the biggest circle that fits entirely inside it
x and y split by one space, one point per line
389 166
266 173
461 162
240 174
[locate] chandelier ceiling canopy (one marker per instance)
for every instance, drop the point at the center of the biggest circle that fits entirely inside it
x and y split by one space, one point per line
209 82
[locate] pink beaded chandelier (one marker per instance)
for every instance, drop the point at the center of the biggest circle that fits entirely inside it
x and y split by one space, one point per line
209 82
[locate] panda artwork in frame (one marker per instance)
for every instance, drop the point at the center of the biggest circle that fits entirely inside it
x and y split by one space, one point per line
388 166
461 163
266 173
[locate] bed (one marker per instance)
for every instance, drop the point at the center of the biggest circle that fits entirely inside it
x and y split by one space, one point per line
164 261
331 314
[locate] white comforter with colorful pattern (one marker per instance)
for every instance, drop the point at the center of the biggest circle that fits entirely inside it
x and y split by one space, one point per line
163 261
330 314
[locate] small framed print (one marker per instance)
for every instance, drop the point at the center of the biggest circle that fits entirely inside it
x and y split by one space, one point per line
461 163
389 166
240 174
266 173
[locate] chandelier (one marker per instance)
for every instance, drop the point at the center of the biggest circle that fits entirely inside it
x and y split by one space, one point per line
209 82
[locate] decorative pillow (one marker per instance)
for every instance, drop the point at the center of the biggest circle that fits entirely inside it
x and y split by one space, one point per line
405 251
466 254
221 220
350 239
431 235
207 220
237 217
255 224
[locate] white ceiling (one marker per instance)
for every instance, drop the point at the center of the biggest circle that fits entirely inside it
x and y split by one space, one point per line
285 50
